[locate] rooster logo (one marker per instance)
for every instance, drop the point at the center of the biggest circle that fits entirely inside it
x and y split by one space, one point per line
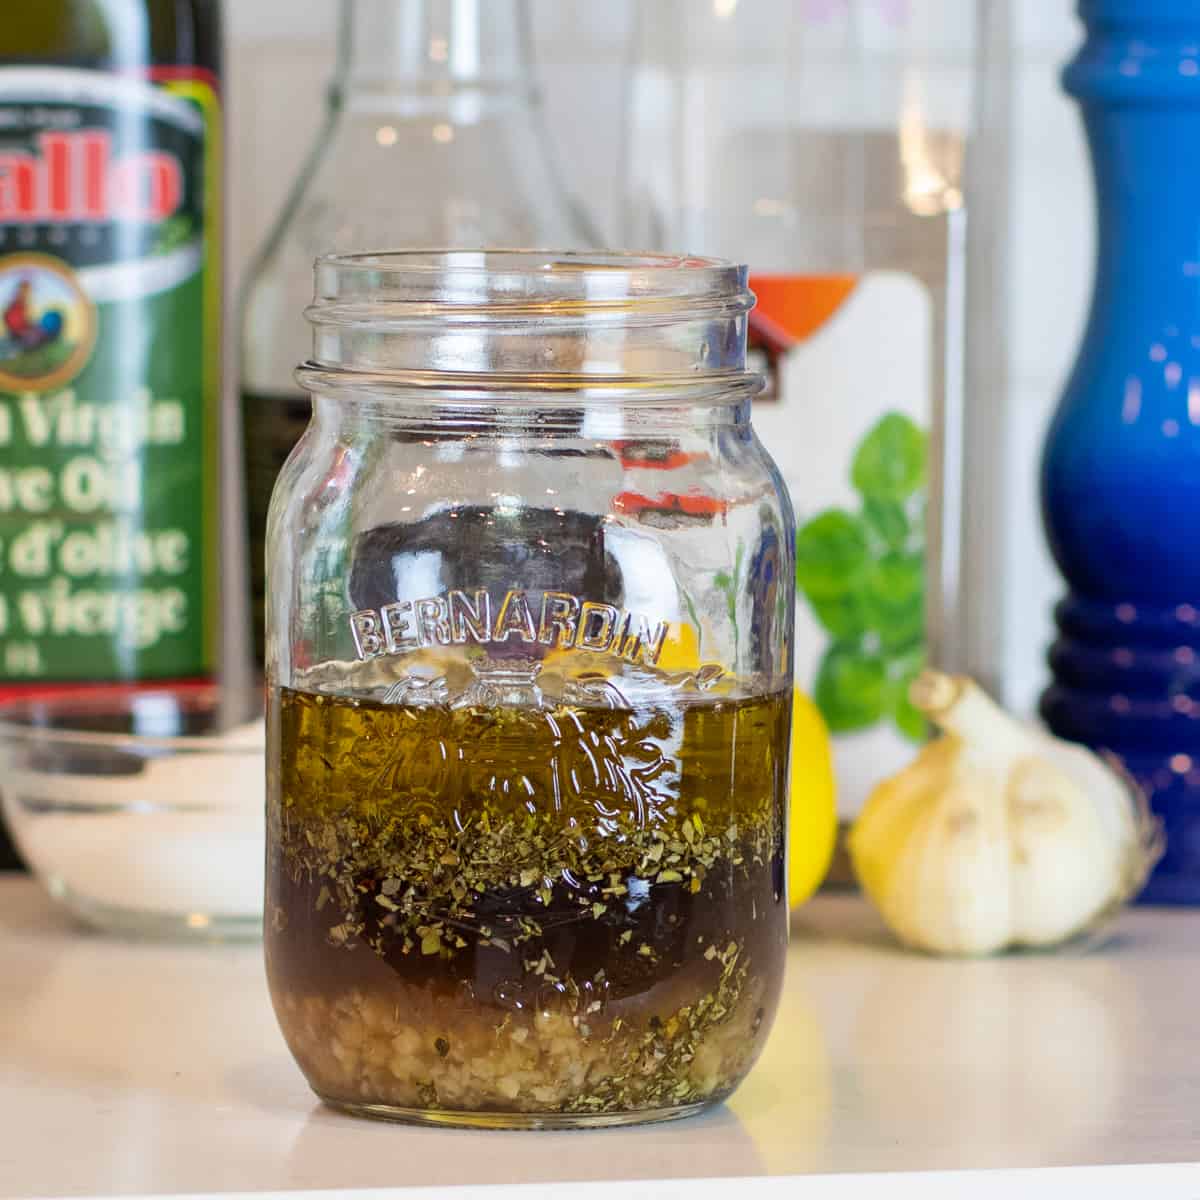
20 323
49 324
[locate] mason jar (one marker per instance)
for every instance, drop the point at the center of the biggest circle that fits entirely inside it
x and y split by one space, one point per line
529 655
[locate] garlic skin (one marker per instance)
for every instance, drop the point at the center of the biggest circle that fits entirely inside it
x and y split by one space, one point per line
998 835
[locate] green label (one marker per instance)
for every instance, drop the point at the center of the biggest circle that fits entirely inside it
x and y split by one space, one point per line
109 375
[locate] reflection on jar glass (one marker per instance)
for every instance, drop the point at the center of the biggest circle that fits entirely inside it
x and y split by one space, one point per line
529 655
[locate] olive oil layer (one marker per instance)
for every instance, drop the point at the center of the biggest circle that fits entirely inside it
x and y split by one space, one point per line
566 909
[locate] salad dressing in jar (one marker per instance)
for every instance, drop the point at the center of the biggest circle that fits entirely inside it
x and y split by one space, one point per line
529 658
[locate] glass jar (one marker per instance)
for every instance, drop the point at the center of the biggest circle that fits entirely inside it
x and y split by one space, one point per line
529 662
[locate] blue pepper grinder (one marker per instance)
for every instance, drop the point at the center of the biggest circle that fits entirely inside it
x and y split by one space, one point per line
1121 472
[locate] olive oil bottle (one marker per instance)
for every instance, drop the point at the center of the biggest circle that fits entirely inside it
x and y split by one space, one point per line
110 367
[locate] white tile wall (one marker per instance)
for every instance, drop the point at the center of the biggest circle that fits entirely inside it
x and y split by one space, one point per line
1045 27
1052 238
277 89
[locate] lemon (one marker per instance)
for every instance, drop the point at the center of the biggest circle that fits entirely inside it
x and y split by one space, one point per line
813 825
813 829
681 650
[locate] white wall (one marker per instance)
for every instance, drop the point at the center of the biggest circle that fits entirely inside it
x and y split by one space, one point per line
277 85
1052 237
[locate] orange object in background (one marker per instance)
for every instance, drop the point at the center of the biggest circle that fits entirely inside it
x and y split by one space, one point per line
790 308
653 456
793 307
703 508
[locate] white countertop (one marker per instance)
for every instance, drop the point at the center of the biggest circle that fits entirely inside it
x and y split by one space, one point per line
130 1069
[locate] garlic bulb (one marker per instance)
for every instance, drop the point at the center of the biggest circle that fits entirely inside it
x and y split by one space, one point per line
997 834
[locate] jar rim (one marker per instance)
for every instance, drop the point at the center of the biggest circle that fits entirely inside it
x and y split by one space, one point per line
529 321
522 279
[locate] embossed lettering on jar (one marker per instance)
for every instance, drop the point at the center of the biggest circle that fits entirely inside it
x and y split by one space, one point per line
529 655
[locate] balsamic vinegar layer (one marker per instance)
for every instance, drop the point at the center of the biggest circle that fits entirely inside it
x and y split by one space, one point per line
517 909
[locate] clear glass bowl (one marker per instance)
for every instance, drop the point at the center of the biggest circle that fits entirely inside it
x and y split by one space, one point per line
135 813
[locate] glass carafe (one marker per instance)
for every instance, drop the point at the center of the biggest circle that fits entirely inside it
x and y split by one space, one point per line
434 138
826 143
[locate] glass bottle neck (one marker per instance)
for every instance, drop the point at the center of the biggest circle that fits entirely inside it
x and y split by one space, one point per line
397 49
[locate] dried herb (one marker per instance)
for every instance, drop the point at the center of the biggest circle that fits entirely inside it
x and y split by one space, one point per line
581 857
